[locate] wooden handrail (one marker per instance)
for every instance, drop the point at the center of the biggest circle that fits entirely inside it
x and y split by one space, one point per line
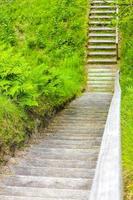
107 184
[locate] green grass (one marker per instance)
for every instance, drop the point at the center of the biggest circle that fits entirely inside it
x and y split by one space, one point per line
12 132
127 99
42 48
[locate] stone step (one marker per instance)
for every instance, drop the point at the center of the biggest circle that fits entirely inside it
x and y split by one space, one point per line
45 192
48 182
56 163
54 172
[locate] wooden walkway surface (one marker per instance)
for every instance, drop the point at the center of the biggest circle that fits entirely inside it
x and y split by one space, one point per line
62 165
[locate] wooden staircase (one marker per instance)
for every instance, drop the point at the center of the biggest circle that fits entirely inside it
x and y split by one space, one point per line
102 48
62 165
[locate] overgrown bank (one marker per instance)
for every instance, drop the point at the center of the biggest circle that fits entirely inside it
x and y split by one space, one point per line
42 48
127 96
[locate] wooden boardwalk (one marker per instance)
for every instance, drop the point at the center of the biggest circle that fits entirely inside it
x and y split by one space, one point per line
62 165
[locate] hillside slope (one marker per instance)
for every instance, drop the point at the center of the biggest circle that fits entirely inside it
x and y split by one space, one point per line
42 47
127 97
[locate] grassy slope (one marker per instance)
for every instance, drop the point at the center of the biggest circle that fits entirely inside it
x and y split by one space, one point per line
42 47
127 101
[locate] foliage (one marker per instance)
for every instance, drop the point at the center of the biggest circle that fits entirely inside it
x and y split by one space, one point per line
42 48
126 27
11 126
43 52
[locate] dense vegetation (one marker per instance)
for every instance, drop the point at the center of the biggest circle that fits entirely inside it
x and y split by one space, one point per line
42 48
127 95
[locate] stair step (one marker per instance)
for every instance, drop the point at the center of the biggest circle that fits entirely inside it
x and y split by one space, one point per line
100 60
102 2
54 172
48 182
2 197
102 12
95 82
101 78
66 155
102 29
98 74
99 22
102 41
68 141
100 85
100 70
45 192
91 136
101 17
102 47
42 149
95 53
103 7
56 163
102 66
102 35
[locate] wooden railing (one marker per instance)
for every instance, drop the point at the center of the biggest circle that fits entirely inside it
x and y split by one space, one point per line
107 183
